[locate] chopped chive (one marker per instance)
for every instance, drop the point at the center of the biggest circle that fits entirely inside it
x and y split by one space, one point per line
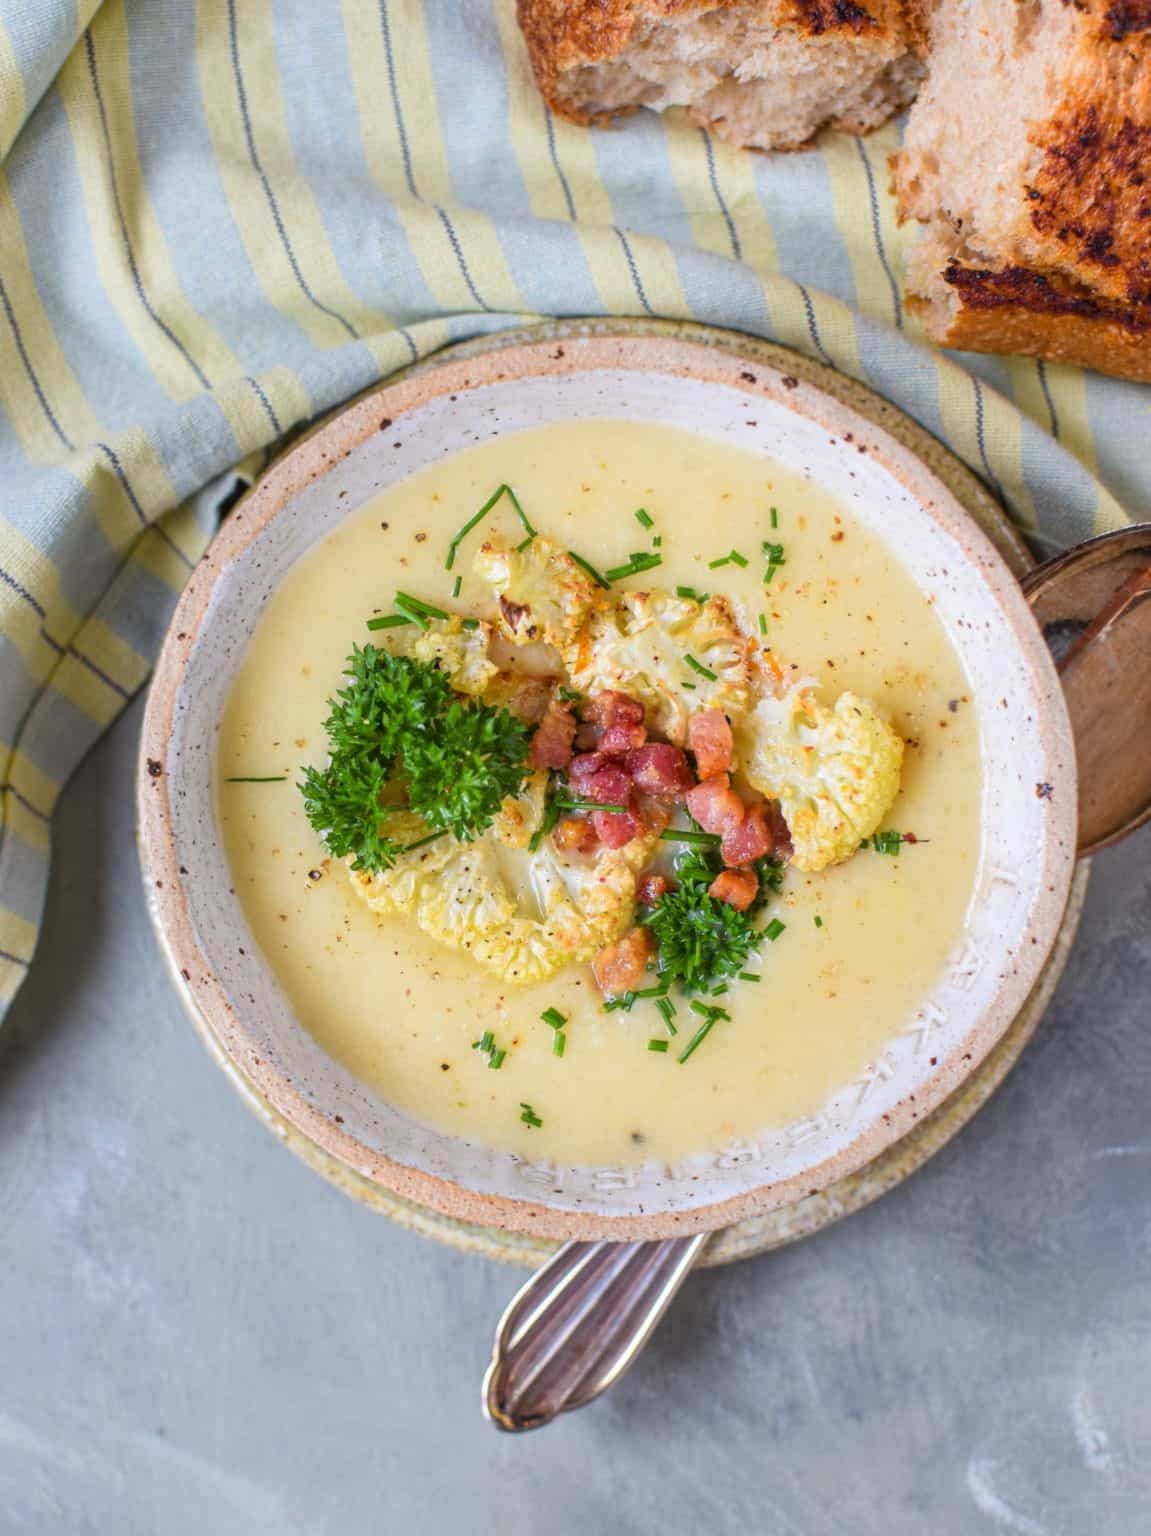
413 614
701 1008
553 1017
769 574
774 518
749 976
585 565
720 990
529 1116
887 842
691 686
704 839
576 803
559 1043
698 666
737 559
636 566
419 606
657 541
471 523
569 694
773 930
818 921
520 513
642 518
657 1045
496 1060
712 1017
714 565
667 1012
422 842
390 621
471 624
485 1042
696 597
456 585
660 991
763 624
525 543
267 778
623 1003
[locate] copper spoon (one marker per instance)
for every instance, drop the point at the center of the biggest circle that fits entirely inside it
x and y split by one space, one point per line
581 1320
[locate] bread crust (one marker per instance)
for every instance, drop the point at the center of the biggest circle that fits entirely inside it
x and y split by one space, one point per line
561 35
1022 311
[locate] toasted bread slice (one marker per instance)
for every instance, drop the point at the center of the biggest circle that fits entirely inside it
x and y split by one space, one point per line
764 74
1028 156
965 303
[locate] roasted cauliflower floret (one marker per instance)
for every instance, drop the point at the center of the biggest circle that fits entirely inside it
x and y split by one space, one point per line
461 654
458 894
835 772
640 645
543 594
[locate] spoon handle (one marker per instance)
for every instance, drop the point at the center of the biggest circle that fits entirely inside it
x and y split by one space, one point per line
577 1325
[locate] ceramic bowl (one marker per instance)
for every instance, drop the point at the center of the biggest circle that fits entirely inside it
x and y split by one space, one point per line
1029 824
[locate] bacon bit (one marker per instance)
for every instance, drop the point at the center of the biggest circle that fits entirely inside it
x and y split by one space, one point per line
652 889
709 737
715 805
585 764
619 738
613 708
551 745
609 786
659 769
575 834
587 736
616 828
748 841
737 887
779 829
530 701
620 967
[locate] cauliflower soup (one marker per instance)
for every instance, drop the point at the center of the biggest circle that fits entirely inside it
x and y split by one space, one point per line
674 782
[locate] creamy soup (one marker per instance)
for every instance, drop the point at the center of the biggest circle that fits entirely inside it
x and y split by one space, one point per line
861 943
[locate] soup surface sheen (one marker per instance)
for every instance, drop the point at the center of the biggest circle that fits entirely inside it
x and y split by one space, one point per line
401 1011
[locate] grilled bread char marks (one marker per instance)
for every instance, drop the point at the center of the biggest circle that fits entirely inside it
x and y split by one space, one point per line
1028 158
766 74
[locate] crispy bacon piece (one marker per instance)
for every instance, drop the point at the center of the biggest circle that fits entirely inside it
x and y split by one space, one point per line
715 805
709 737
619 738
749 840
612 708
530 700
620 967
575 834
780 831
615 828
584 764
660 770
609 785
737 887
651 889
551 746
587 736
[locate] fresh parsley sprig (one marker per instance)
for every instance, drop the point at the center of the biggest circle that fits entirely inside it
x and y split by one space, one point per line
400 740
702 942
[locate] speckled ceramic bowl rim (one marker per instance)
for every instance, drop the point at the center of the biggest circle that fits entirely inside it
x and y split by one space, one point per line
309 461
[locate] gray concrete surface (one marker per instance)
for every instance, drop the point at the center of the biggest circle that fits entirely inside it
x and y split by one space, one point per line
198 1337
